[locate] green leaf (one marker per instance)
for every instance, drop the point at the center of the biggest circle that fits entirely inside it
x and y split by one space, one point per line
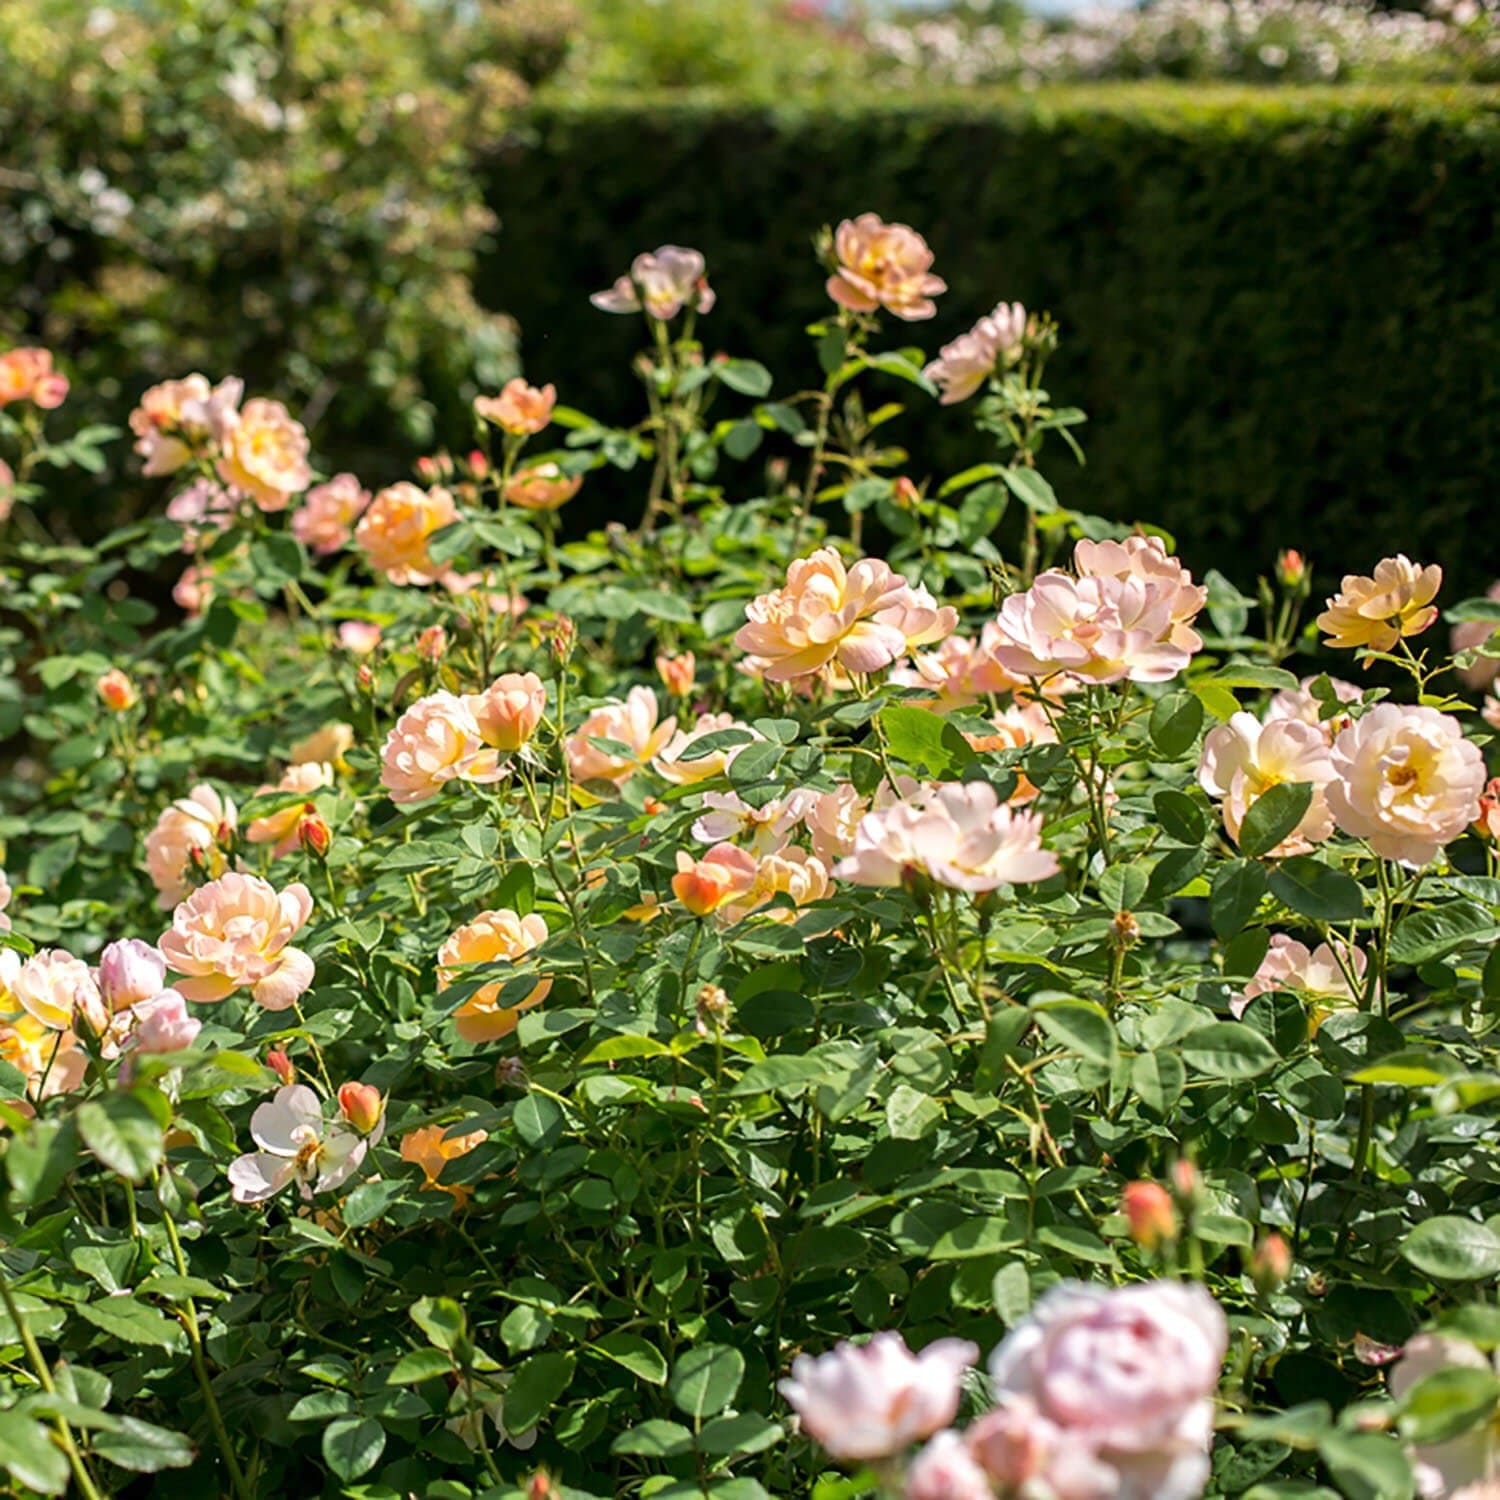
705 1379
792 1074
748 1432
39 1158
1080 1026
641 1358
1425 935
747 376
655 1438
1228 1049
1367 1465
927 741
1272 817
1180 816
1234 895
1317 891
1175 722
123 1133
352 1446
134 1322
743 438
1446 1403
143 1447
417 1365
539 1121
612 1049
1031 490
1158 1078
370 1200
441 1319
28 1452
535 1388
1450 1248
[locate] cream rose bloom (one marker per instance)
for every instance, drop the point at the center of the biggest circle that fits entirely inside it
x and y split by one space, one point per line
509 709
768 828
1244 759
395 530
1290 965
186 831
235 933
1407 780
492 937
789 871
280 828
884 265
325 520
993 343
1147 558
632 723
437 740
671 766
265 454
52 986
1379 611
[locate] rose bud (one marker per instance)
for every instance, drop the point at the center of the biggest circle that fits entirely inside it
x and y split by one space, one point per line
131 971
677 672
314 834
1148 1209
362 1106
1271 1263
281 1065
116 691
432 644
162 1024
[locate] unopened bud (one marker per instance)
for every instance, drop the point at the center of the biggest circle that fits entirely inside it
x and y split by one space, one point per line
1291 568
509 1070
564 637
539 1486
362 1105
1271 1263
314 834
432 644
1185 1181
678 672
365 677
1124 930
281 1065
131 971
479 465
116 691
905 494
1149 1210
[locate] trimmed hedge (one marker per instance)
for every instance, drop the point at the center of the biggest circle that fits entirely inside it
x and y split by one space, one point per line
1281 309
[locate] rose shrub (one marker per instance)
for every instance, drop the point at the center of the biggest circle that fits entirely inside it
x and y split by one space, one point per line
701 1009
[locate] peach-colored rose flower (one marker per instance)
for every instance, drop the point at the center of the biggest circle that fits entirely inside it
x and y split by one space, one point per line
1147 558
328 744
359 637
52 1062
863 618
1015 728
632 723
435 741
179 418
395 531
1244 759
1299 703
542 486
509 709
1328 973
1377 612
116 691
519 409
1407 780
27 375
959 835
676 762
362 1105
1099 629
677 673
193 590
265 454
993 343
1471 633
189 834
790 872
959 673
492 937
324 521
884 265
52 986
431 1148
663 282
280 828
723 875
235 933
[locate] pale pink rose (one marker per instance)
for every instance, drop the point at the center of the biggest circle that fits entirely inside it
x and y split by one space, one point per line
671 765
874 1400
1290 965
397 527
633 724
129 972
519 409
542 486
863 618
727 816
509 709
324 521
791 872
960 835
1146 558
993 343
945 1470
1100 629
663 282
297 1145
1470 633
1444 1469
958 674
492 937
162 1023
437 740
884 265
1379 611
53 986
5 895
235 933
1128 1376
177 419
52 1061
1021 1452
27 375
193 590
359 637
1299 703
1244 759
833 818
265 454
1407 780
205 507
280 828
189 834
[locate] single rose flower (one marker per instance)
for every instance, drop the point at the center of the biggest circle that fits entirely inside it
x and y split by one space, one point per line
662 282
324 521
437 740
519 409
1243 759
883 265
265 454
542 486
632 724
509 709
1379 611
297 1145
188 835
492 937
397 527
994 343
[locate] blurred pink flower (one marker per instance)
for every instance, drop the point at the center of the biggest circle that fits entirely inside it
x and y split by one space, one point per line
663 282
993 343
1290 965
519 409
1471 633
359 637
27 375
884 265
265 454
324 521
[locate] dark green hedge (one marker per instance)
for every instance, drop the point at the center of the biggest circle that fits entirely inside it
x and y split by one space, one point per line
1281 309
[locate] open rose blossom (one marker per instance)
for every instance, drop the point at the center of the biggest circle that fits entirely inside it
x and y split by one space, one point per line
176 417
769 827
632 724
265 454
959 835
324 521
1317 972
1407 780
1471 633
27 375
431 1148
297 1145
1102 629
542 486
359 637
874 1400
789 871
1472 1456
883 265
1300 703
519 409
162 1024
993 343
53 987
1124 1379
509 709
958 673
52 1062
863 618
724 874
1244 759
234 933
1146 558
437 740
395 530
678 764
662 282
1015 728
1377 612
833 818
189 834
280 828
493 937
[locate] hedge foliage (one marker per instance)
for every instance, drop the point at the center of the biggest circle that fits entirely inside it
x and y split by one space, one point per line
1282 310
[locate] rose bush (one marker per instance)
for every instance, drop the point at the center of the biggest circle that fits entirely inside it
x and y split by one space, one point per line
859 982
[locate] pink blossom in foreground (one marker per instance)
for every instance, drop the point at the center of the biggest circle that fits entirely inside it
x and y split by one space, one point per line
884 265
1290 965
179 419
324 521
874 1400
297 1145
1146 558
129 972
437 740
993 343
1244 759
947 1470
663 282
1470 1458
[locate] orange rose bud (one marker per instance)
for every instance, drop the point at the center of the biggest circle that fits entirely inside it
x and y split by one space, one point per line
1271 1263
361 1105
539 1487
1291 568
1185 1180
677 672
116 691
704 885
905 493
314 834
1148 1209
281 1065
432 644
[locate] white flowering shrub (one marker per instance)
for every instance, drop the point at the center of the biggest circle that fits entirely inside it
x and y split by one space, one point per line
847 981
